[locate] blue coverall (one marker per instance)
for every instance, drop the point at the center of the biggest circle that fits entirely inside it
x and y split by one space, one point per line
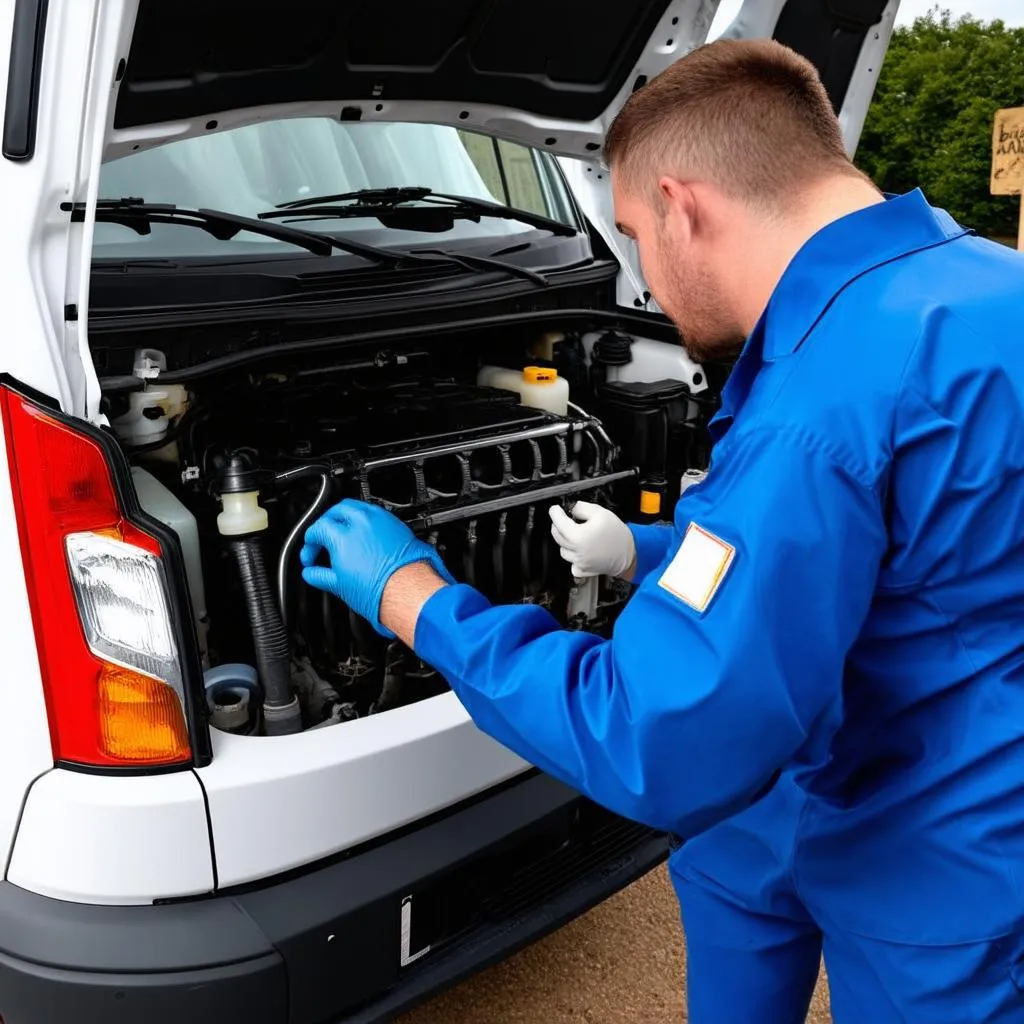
838 736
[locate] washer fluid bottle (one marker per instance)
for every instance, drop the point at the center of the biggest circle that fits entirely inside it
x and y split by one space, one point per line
539 387
152 410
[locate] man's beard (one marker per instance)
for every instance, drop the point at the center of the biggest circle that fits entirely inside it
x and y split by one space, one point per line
711 348
698 308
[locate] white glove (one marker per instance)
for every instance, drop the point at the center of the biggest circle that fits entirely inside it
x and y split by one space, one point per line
599 544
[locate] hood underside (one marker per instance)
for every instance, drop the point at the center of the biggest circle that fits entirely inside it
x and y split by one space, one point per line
550 73
556 58
546 71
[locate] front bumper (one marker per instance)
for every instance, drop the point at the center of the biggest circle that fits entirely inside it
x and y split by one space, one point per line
339 944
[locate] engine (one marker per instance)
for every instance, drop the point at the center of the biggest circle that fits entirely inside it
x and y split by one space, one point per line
472 469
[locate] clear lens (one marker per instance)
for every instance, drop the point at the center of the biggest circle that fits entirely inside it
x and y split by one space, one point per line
122 604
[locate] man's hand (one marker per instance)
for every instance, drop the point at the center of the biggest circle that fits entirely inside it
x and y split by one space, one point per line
365 545
598 544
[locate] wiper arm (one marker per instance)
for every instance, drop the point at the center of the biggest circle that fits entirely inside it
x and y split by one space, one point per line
471 262
488 209
374 196
139 215
366 202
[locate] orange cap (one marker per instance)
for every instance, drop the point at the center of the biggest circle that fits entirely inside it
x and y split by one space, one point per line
650 502
539 375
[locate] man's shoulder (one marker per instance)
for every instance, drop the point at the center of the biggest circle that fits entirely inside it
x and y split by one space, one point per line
967 283
909 334
955 305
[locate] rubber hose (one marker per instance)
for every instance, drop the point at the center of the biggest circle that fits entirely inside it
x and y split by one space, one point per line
273 658
320 503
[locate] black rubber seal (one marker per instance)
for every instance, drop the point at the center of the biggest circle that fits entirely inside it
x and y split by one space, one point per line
24 71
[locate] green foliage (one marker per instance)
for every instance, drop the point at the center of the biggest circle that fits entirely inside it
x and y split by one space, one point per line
930 124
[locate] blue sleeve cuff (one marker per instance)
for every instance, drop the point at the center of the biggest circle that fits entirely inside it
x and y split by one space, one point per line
435 640
652 545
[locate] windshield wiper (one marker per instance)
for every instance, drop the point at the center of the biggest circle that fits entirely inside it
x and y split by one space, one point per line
139 215
382 196
474 262
366 202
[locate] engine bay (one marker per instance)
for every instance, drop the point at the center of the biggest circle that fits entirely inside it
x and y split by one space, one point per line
469 445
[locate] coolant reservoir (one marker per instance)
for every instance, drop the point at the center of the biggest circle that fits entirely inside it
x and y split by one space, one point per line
537 386
652 361
152 410
161 504
150 413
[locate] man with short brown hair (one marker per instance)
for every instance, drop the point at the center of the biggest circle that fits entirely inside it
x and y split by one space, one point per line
818 684
758 123
744 132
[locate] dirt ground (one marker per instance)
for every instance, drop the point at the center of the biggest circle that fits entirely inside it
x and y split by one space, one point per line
622 962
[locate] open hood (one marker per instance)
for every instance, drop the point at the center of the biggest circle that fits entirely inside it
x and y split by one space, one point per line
549 73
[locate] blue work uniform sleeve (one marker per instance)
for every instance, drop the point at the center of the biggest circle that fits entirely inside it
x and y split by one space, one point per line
683 716
652 542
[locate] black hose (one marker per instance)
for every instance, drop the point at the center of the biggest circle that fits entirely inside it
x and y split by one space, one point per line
273 658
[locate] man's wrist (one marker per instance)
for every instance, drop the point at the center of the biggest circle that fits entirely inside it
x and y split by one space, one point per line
405 593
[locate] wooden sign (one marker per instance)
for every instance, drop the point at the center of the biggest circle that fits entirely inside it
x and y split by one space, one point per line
1008 159
1008 152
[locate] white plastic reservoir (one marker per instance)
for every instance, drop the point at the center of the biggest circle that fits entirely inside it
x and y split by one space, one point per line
537 386
653 361
161 504
163 402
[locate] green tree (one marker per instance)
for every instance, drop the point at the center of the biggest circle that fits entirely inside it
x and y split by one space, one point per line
930 123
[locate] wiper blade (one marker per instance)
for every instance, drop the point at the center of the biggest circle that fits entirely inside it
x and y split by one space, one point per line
139 215
366 202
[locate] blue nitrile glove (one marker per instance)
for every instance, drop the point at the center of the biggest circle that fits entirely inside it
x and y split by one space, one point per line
365 545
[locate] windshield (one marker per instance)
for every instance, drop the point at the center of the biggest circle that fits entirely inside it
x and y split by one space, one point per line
256 168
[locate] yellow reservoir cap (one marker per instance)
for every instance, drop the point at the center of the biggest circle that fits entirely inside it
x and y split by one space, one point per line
650 502
539 375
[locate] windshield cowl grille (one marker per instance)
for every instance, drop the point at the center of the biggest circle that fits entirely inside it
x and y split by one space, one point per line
372 277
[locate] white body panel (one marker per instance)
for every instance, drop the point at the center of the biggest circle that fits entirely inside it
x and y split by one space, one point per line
589 183
279 802
40 278
103 839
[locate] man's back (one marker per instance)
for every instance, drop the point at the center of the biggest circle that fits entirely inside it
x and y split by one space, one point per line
915 375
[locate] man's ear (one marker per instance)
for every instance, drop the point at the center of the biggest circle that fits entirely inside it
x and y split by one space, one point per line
680 204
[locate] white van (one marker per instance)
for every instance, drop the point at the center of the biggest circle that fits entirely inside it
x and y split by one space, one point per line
260 257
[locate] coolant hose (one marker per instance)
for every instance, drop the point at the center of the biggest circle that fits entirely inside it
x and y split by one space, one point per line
281 711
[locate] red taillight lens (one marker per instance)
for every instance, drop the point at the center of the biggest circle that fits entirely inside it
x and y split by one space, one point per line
109 658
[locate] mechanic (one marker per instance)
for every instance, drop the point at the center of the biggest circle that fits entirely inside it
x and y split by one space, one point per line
818 683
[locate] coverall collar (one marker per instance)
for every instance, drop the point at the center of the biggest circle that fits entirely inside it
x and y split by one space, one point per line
842 251
829 260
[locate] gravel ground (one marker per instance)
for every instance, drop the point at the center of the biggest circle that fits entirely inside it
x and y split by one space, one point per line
622 962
